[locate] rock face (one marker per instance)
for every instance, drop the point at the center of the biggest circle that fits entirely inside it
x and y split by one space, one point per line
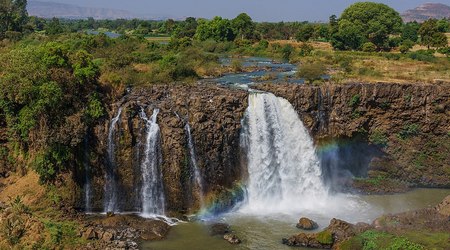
214 115
307 224
405 126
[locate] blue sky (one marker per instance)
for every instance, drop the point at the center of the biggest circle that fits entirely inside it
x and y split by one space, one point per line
259 10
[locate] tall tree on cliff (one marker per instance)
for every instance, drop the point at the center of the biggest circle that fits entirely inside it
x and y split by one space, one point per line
13 16
366 22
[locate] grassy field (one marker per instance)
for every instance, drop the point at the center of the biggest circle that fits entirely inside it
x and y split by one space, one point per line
345 66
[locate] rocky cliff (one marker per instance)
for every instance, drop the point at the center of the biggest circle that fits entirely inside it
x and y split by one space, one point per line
214 115
408 123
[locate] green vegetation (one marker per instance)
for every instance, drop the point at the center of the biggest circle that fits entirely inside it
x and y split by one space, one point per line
379 138
408 131
325 237
311 71
372 240
365 22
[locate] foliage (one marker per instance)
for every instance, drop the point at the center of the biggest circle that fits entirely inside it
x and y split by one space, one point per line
422 55
218 29
305 33
311 71
410 31
306 49
287 51
408 131
355 100
243 26
369 47
366 22
379 138
13 17
431 36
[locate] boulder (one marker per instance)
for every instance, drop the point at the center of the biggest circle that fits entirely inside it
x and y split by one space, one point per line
307 224
232 238
323 239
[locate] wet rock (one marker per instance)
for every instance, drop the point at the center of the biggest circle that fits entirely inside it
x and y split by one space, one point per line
219 229
307 224
443 208
232 238
109 214
153 230
317 240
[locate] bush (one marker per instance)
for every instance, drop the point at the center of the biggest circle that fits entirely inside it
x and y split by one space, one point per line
409 130
306 49
369 47
423 55
312 71
354 101
378 138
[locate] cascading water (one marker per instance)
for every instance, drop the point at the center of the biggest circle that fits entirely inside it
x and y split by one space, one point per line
153 201
111 175
197 176
88 178
284 171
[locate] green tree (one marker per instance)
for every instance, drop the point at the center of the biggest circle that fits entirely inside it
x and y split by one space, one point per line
443 25
430 35
13 16
305 33
367 22
410 31
243 26
218 29
54 27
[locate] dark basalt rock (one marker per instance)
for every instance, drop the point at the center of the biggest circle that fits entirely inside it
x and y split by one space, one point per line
219 229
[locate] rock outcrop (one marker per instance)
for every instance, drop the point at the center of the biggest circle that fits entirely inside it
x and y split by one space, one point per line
307 224
214 115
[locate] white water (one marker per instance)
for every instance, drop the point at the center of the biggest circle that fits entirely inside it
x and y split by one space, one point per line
197 176
284 171
88 178
153 201
110 204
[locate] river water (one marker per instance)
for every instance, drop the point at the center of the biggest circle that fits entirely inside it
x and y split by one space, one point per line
266 231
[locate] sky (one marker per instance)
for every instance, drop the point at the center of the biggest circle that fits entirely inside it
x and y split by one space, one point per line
259 10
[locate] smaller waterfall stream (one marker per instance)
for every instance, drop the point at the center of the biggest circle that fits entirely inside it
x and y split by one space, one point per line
197 176
110 204
88 177
153 201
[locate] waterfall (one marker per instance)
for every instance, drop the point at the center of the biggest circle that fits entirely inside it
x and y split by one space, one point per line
111 175
153 201
283 169
87 177
197 176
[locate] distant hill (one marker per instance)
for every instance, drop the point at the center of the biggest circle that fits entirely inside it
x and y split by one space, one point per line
427 11
51 9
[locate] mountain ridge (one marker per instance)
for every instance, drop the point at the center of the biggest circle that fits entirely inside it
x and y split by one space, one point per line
427 11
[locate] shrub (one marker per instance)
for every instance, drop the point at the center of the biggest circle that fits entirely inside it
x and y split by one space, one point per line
354 101
369 47
422 55
311 71
306 49
287 51
379 138
409 130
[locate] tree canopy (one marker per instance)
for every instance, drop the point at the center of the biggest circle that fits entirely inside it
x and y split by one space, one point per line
366 22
